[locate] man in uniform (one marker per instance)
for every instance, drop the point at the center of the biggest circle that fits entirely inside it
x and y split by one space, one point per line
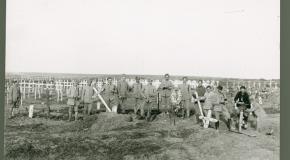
123 89
165 90
14 97
200 90
110 94
220 108
74 94
211 99
186 95
242 102
150 94
99 86
48 96
138 96
87 97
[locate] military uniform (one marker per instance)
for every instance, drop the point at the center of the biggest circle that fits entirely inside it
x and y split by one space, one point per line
150 94
14 97
74 94
110 95
48 96
87 97
210 100
186 96
122 88
220 107
138 97
165 90
200 90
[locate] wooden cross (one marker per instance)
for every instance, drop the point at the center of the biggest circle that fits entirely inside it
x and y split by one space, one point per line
206 119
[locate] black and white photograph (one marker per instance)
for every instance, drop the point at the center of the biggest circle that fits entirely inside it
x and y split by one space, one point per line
142 80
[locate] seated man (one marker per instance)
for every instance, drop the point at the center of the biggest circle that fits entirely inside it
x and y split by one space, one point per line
242 102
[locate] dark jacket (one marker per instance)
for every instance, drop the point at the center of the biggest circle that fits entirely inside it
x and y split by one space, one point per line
201 92
165 88
122 88
240 97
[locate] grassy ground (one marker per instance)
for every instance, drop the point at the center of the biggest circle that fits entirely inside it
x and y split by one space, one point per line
108 136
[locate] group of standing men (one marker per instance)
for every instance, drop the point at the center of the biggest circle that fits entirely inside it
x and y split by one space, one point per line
114 96
171 98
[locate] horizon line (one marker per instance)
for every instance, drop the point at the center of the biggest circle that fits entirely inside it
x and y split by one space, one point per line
132 74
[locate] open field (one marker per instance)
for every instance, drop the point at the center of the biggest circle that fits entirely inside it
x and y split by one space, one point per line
108 136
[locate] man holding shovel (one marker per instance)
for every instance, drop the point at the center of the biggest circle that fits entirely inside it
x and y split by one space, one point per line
109 93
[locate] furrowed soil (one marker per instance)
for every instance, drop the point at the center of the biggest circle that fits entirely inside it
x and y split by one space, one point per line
107 136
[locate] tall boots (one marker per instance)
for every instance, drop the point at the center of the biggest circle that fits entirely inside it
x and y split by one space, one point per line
217 125
229 124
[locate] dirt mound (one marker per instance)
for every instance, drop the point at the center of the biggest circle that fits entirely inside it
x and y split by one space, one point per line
111 121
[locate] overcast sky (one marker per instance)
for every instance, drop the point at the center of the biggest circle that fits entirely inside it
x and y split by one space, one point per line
223 38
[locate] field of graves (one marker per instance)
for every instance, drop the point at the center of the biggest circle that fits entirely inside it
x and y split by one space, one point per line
109 136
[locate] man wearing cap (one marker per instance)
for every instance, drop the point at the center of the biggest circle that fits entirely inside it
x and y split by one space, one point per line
150 94
14 97
165 90
186 95
200 90
242 102
73 100
109 93
99 86
48 96
138 96
87 97
220 108
122 88
211 99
